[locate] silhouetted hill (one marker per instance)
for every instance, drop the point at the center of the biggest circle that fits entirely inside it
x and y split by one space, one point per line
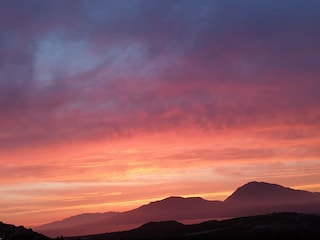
177 208
172 208
272 226
261 193
261 198
80 219
11 232
253 198
159 229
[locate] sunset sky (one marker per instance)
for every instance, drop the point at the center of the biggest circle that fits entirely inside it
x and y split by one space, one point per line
108 105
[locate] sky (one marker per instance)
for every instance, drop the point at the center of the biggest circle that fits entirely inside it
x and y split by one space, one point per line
108 105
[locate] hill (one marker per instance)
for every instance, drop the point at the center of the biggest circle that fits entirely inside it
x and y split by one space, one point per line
81 219
271 226
11 232
176 208
261 193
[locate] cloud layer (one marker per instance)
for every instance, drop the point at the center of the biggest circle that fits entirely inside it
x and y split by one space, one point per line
107 91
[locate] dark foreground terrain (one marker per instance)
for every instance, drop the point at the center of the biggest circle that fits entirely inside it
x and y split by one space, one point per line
11 232
271 226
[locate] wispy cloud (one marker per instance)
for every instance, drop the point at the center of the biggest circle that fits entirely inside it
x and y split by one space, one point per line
121 92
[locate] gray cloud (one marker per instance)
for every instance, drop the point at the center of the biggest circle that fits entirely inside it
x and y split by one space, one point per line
82 69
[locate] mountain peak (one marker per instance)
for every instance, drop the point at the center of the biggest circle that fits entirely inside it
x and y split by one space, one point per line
258 193
177 200
173 198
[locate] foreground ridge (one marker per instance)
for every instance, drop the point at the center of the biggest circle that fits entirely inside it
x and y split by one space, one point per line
271 226
11 232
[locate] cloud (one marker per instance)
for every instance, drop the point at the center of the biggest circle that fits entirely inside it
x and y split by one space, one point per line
153 86
156 65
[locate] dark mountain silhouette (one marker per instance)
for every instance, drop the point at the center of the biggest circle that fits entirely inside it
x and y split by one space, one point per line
260 198
80 219
159 229
261 193
11 232
176 208
251 199
272 226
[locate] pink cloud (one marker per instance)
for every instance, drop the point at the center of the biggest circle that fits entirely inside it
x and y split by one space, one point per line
152 91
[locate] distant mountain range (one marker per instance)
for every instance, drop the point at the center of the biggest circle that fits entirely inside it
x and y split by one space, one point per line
252 198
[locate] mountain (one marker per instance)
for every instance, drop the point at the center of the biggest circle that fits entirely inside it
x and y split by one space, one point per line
271 226
261 198
261 193
177 208
11 232
251 199
73 221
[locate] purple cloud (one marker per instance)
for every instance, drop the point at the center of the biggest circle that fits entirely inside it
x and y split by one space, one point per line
79 69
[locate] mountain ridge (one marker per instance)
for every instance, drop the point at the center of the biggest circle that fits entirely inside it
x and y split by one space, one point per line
82 218
258 193
250 199
270 226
